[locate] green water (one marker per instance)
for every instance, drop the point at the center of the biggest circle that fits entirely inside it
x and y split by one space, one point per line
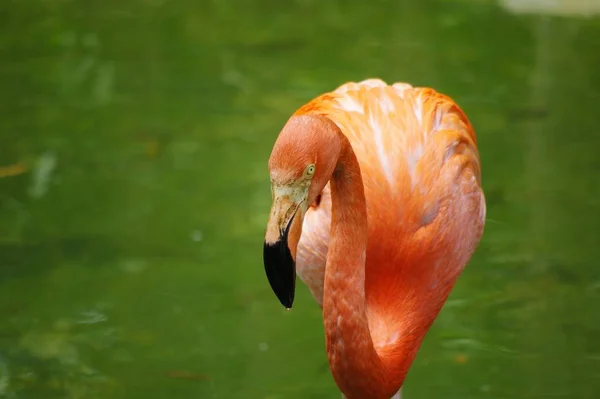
131 244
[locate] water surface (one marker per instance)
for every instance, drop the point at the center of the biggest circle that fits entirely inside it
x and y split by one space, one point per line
134 192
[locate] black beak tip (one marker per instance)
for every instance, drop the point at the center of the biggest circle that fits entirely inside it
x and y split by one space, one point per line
281 271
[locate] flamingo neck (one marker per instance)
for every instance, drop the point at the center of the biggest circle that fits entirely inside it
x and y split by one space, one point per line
357 368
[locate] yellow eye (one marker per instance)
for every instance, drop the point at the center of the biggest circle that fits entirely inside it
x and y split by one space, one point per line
310 170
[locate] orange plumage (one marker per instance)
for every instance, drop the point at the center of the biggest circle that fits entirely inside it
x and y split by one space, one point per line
389 229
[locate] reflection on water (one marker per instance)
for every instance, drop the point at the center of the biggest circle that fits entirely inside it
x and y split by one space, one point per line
133 194
581 8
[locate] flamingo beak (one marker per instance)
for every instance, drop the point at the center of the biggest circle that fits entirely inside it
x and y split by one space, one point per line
280 247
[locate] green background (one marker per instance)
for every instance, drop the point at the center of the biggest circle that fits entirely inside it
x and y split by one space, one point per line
131 244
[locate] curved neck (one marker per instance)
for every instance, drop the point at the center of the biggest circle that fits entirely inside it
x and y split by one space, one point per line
356 366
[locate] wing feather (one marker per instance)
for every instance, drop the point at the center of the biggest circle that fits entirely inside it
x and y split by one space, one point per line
419 160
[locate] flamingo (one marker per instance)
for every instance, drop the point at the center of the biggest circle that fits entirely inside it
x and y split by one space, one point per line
378 207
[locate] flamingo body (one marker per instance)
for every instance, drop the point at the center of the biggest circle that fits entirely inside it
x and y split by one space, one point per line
411 166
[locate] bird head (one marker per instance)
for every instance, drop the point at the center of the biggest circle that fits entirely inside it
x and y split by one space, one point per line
302 161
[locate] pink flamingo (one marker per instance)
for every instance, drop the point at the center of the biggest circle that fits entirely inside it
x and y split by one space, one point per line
378 207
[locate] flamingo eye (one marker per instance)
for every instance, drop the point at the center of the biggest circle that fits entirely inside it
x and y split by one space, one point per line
310 169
